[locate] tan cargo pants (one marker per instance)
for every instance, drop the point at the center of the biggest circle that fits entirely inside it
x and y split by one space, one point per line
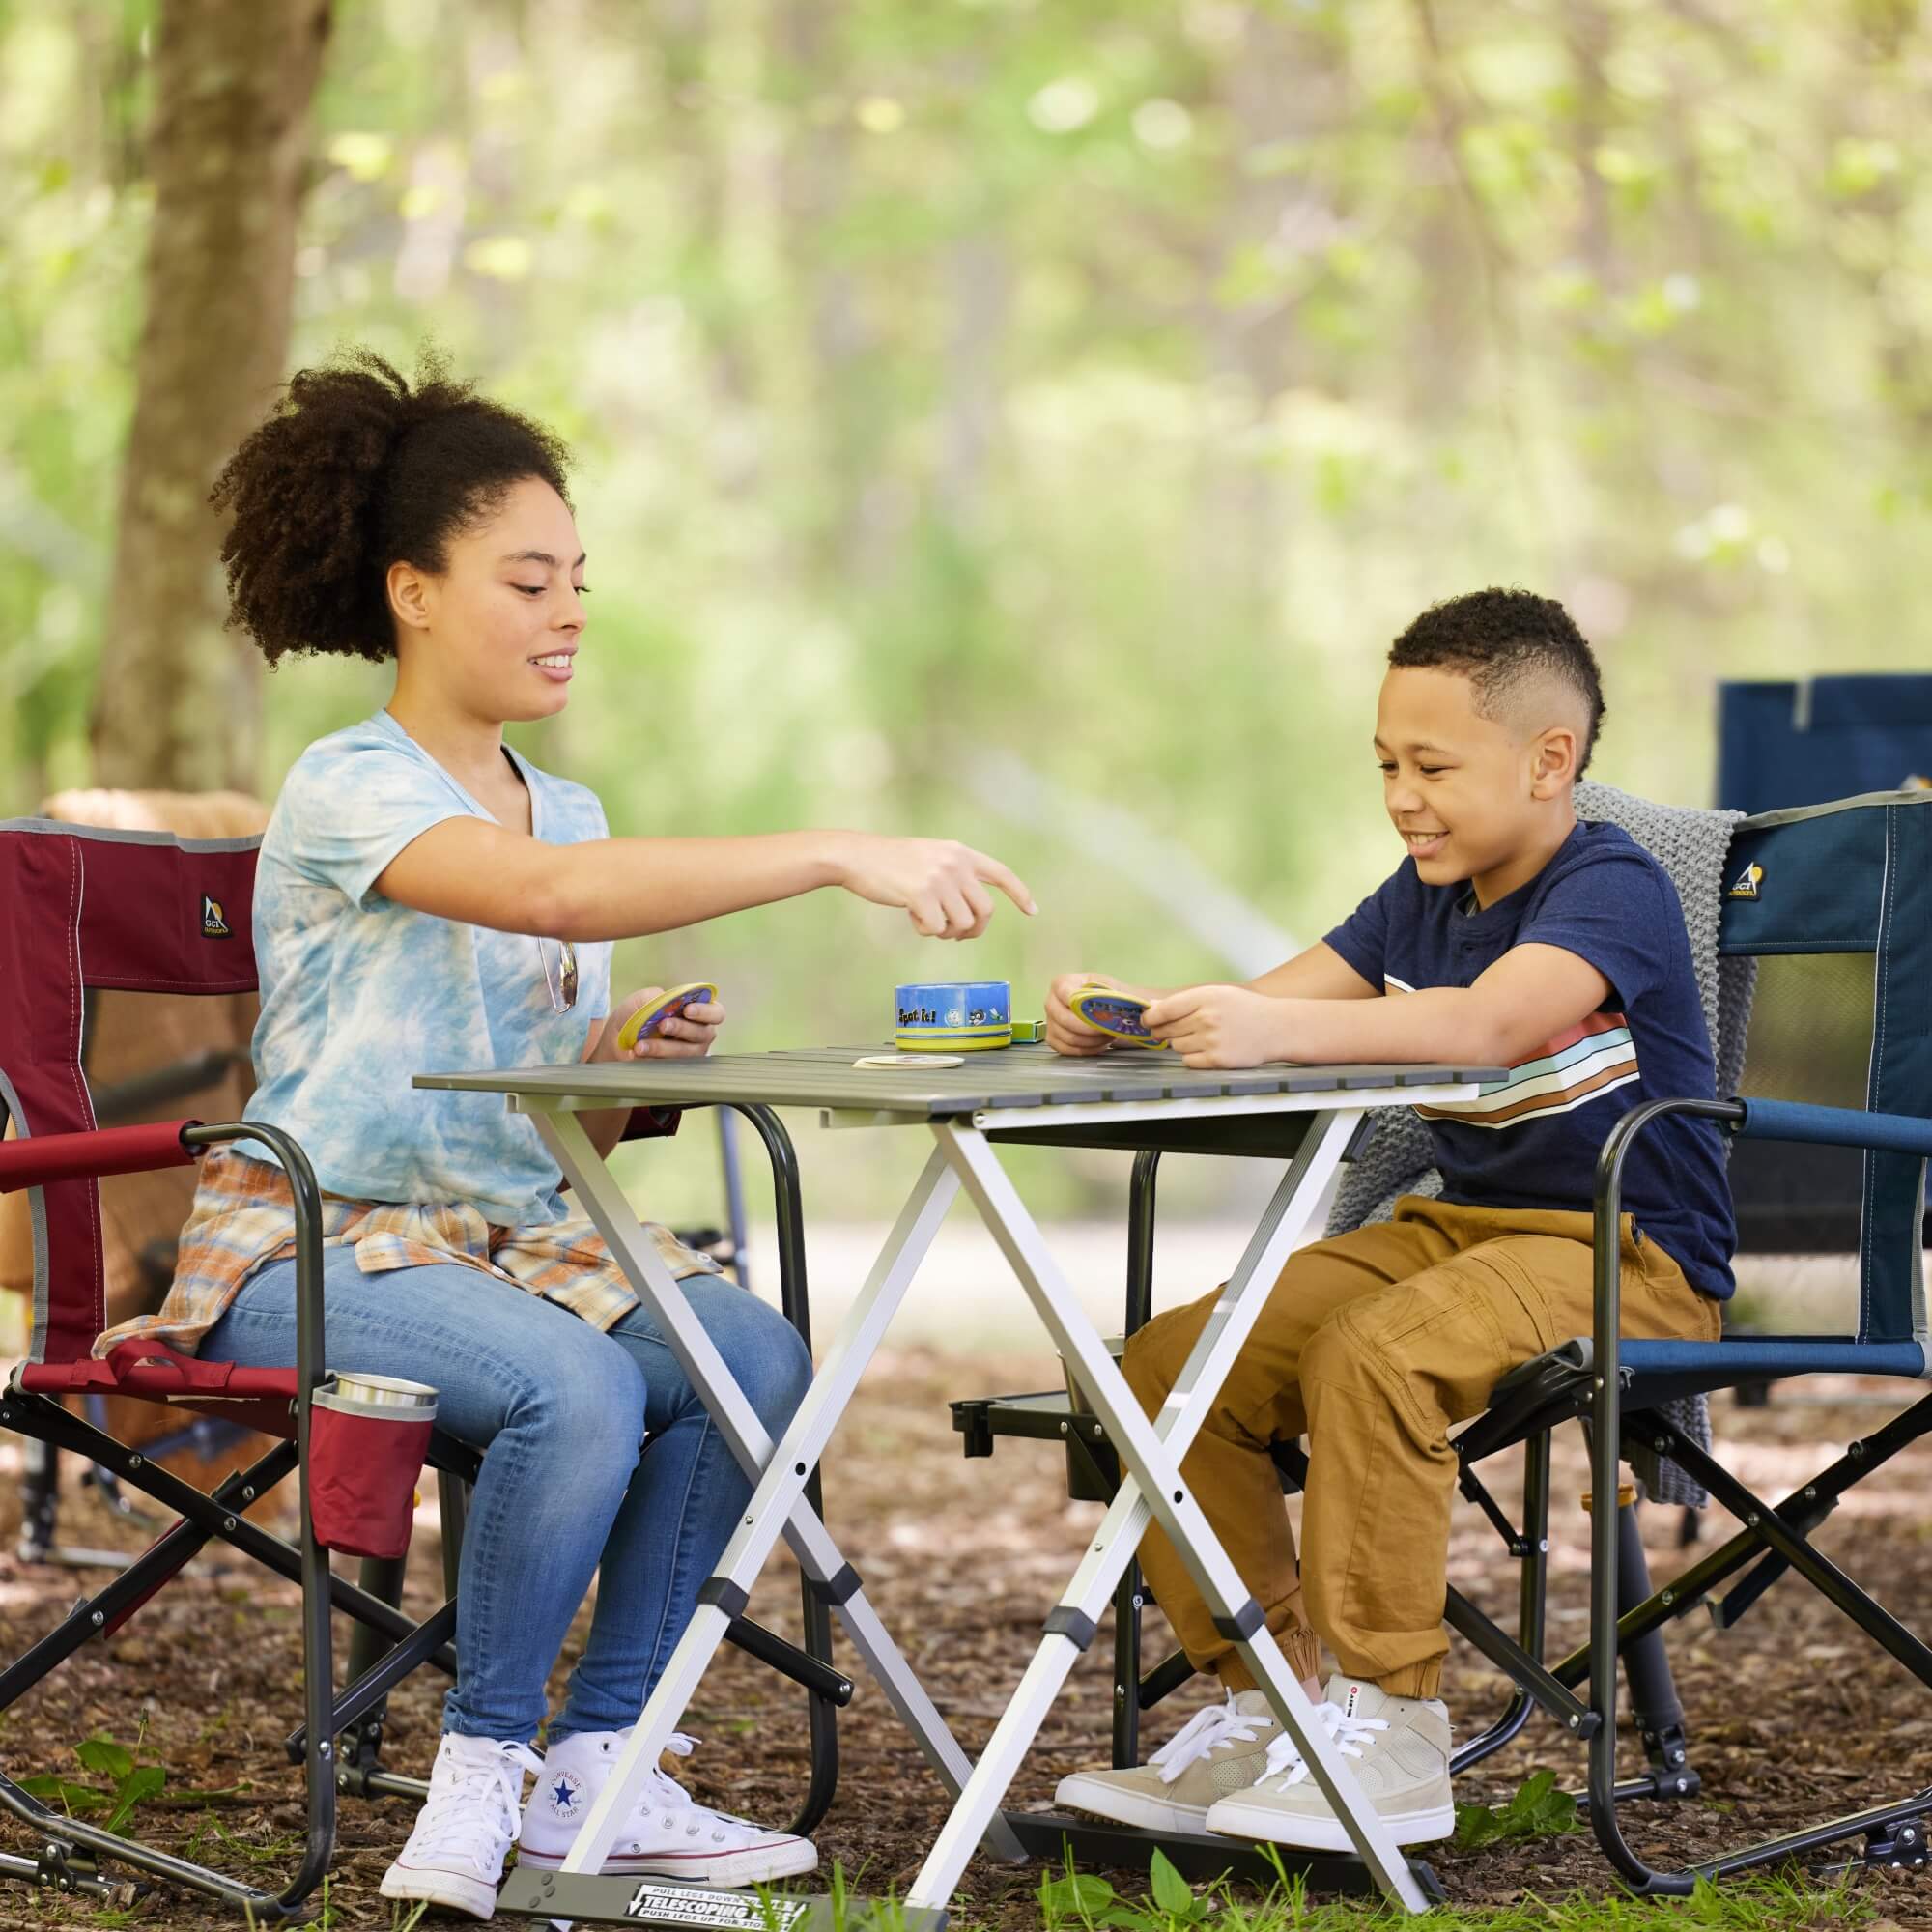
1373 1345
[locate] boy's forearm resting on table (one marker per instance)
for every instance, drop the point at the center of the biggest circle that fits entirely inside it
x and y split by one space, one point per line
1437 1023
1531 994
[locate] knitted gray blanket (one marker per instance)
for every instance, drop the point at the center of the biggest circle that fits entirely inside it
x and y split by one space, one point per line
1398 1158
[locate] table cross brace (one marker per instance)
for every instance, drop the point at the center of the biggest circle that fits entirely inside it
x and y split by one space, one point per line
778 1472
1152 1453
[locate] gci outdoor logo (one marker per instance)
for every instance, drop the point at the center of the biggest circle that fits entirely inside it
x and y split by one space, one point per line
214 921
1748 882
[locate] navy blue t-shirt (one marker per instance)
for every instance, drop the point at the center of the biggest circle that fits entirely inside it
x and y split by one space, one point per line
1532 1140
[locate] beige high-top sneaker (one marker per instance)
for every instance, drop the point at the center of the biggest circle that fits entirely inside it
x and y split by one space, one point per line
1397 1746
1218 1751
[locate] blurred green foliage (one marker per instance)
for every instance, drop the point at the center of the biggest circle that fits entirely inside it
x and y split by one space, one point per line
1095 386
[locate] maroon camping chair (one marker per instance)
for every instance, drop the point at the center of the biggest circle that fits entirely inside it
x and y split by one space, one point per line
84 909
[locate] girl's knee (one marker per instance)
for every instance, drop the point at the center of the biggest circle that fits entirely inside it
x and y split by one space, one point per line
590 1400
768 1357
784 1374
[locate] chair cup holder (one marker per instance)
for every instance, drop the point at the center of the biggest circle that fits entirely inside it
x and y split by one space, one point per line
368 1436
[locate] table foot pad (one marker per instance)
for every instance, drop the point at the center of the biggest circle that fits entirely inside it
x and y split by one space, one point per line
612 1899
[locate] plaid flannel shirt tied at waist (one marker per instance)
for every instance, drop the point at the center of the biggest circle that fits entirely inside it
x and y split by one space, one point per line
243 1218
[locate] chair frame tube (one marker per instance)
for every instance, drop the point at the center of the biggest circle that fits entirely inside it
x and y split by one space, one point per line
1763 1525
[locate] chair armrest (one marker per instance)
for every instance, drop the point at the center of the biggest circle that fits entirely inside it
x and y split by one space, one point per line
40 1158
1835 1126
1608 1252
306 1196
650 1123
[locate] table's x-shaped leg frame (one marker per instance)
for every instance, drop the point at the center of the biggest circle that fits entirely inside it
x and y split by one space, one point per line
777 1507
1151 1452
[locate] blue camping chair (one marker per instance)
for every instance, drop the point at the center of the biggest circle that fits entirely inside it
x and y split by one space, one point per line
1805 742
1833 902
1837 898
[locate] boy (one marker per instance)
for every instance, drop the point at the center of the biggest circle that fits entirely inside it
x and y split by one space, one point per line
1514 937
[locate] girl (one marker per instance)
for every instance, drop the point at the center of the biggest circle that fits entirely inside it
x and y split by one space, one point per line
426 899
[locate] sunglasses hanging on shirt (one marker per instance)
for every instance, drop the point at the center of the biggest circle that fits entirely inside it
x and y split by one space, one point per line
559 972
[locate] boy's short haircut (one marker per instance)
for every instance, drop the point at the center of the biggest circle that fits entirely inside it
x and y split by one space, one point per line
1500 639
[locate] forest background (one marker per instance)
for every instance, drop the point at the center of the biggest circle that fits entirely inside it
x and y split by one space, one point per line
1025 420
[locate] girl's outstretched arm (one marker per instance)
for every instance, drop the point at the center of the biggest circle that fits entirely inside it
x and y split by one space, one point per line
483 874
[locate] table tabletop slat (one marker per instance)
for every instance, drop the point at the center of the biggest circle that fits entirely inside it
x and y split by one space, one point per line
1017 1076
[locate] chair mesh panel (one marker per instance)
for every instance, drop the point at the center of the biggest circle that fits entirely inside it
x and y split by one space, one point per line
1810 1039
1811 1029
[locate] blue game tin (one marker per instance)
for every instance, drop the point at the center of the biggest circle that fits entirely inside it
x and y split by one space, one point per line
952 1017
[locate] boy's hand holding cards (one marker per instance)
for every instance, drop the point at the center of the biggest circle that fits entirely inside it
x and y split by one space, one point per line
1207 1026
1116 1014
1221 1026
1080 1034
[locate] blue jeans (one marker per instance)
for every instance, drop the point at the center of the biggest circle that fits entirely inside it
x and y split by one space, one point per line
558 1410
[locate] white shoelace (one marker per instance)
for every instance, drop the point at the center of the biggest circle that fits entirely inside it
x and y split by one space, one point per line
676 1806
1205 1733
462 1787
1286 1765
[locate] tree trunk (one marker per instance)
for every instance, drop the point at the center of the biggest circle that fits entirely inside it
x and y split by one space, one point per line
177 702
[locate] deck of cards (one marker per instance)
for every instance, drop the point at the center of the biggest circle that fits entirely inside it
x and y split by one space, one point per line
1116 1014
670 1006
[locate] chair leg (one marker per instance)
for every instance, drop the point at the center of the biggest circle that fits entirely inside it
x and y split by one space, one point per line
39 1503
366 1697
1128 1598
358 1747
1655 1708
40 1515
821 1714
795 1299
452 1502
1532 1596
360 1743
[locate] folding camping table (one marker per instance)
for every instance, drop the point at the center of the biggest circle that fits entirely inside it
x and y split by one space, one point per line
1023 1094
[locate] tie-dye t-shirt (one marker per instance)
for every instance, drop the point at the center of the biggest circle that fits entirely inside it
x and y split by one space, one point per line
358 993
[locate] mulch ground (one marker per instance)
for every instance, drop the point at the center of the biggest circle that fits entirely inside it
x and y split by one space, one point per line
1792 1715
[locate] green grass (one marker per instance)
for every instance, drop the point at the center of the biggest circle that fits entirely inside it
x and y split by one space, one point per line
1068 1904
1537 1811
1082 1902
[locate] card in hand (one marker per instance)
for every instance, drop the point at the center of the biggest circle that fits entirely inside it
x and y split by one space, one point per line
1117 1014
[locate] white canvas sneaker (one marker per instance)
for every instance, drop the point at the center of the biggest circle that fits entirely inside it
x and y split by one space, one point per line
466 1828
669 1834
1397 1746
1219 1749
